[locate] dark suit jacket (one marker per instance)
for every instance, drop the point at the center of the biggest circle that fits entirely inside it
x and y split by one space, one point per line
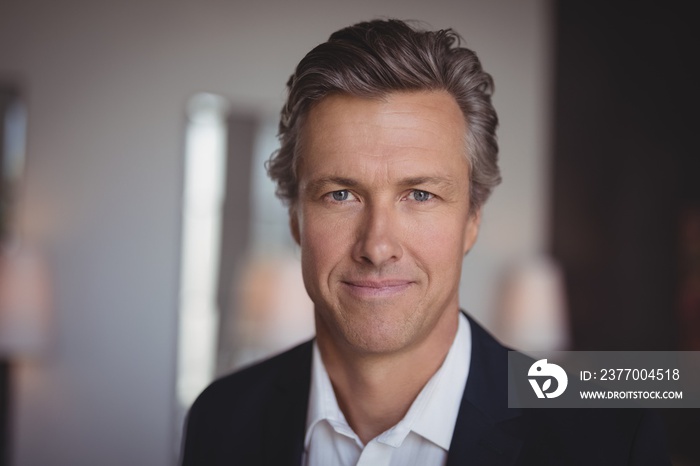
258 417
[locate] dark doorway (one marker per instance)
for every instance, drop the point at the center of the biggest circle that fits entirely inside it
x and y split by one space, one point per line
626 188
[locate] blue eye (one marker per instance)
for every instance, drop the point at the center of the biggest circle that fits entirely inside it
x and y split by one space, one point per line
421 196
341 195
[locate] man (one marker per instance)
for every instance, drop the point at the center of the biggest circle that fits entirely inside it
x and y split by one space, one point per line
388 155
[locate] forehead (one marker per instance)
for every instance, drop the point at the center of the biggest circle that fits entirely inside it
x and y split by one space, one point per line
436 112
421 131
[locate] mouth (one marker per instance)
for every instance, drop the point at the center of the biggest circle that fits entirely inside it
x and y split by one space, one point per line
376 288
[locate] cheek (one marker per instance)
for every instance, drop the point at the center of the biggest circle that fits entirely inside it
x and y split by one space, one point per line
439 250
324 242
439 243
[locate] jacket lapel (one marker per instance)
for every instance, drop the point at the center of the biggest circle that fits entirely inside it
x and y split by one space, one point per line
477 438
285 416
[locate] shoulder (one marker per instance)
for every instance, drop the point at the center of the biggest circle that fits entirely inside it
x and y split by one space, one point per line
229 417
255 380
557 435
619 436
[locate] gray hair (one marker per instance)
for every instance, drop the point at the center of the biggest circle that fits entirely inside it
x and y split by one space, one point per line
372 59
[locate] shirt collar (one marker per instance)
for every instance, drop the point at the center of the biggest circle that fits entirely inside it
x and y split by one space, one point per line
323 404
437 420
432 414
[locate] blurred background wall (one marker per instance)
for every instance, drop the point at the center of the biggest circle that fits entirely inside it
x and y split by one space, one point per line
106 84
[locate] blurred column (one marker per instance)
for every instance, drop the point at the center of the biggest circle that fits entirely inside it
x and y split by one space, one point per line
24 278
203 193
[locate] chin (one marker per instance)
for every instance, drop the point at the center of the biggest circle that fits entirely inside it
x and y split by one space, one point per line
375 337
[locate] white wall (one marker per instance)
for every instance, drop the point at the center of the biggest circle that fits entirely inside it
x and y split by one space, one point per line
106 84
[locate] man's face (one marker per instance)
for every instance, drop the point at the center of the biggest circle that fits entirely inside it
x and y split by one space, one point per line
383 219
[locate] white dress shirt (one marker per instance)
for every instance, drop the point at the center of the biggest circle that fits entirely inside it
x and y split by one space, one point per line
421 438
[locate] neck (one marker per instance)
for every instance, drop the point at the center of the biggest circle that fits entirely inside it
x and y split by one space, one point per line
374 391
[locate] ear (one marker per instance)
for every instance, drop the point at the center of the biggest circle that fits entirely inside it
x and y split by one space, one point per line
294 224
472 230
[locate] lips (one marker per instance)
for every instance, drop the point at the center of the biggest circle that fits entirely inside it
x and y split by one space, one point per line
377 288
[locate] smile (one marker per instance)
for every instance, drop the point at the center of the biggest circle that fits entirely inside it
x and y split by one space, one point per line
376 289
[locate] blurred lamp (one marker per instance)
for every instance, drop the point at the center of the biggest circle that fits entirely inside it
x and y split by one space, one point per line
533 313
24 301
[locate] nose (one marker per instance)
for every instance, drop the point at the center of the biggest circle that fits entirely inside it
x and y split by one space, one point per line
378 237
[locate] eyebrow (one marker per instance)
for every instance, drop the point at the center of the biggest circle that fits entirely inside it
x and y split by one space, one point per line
319 183
428 180
439 181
